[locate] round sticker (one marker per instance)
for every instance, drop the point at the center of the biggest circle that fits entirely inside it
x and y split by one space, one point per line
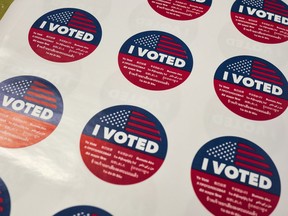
31 108
65 35
233 176
251 87
155 60
263 21
123 145
5 204
83 211
181 9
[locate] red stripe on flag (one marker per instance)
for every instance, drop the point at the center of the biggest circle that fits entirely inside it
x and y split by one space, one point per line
245 146
82 23
143 134
172 48
139 114
40 102
81 28
252 161
42 96
143 127
250 154
166 37
265 74
42 90
169 42
265 79
253 168
39 84
142 121
82 18
172 53
265 69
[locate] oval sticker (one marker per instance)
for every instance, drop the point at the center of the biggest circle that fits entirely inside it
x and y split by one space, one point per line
264 21
181 9
233 176
65 35
123 145
251 87
82 211
31 108
155 60
5 203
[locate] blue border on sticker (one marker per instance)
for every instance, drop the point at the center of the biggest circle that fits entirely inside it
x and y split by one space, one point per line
83 210
5 205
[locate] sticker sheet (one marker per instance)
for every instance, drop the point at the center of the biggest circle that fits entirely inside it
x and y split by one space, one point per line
147 107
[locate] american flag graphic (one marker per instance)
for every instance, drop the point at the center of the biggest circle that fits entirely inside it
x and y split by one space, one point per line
74 19
241 155
256 69
163 44
132 122
274 6
32 91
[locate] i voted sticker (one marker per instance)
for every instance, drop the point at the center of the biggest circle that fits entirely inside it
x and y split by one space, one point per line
123 145
65 35
181 9
264 21
251 87
30 110
155 60
5 203
233 176
83 211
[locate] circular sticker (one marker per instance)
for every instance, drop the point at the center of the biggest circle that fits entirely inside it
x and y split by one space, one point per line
263 21
181 9
123 145
65 35
251 87
155 60
233 176
30 110
5 204
83 211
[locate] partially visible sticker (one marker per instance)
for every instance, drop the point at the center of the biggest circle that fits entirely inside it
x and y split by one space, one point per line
251 87
30 110
181 9
233 176
155 60
65 35
264 21
123 145
5 203
82 211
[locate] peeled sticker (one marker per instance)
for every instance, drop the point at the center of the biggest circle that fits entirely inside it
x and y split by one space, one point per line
31 109
251 87
233 176
155 60
264 21
181 9
123 145
65 35
5 204
83 211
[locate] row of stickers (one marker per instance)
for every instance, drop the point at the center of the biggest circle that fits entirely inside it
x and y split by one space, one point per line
126 145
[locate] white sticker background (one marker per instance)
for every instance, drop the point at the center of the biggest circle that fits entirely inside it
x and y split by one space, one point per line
192 114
